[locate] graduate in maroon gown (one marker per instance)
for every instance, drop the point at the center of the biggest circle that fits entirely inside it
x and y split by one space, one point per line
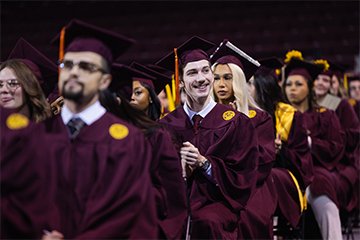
218 147
230 88
26 180
104 189
293 169
326 141
348 167
165 169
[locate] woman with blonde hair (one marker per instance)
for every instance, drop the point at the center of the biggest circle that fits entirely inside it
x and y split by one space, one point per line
232 68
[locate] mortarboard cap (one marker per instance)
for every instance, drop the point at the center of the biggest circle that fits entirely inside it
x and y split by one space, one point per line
330 68
303 68
161 70
43 68
194 49
123 76
270 65
160 79
229 53
81 37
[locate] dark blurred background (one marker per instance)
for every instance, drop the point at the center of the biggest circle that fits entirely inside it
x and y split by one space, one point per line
322 29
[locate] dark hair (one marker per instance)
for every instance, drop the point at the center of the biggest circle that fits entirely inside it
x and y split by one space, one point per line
268 91
120 107
34 96
154 109
311 96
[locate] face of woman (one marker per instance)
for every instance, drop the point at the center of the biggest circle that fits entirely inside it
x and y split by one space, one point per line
334 85
223 80
296 89
140 97
322 85
11 93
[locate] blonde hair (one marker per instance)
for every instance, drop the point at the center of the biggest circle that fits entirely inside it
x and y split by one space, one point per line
243 99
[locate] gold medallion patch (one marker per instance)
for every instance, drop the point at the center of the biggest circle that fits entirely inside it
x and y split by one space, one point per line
17 121
322 109
352 102
252 113
228 115
118 131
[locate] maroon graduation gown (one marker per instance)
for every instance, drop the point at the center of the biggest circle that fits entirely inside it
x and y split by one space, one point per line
349 164
228 140
169 185
256 219
104 188
294 156
327 149
26 174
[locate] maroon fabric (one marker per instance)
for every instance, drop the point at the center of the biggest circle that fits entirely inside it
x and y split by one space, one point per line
146 81
256 219
300 71
294 156
327 149
104 185
349 166
90 45
265 132
193 56
230 59
169 186
26 181
232 150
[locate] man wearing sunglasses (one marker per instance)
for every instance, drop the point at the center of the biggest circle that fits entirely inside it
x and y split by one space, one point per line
104 188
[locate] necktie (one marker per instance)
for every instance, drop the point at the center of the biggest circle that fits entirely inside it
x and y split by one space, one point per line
74 126
197 119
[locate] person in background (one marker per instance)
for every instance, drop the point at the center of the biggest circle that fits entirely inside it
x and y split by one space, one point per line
104 187
23 79
145 91
337 81
348 166
326 141
230 66
354 93
165 167
217 146
293 168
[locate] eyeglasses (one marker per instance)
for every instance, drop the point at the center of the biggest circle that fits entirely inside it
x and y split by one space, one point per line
354 88
84 66
11 84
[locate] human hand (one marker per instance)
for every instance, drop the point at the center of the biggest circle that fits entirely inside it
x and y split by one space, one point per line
190 156
53 235
278 143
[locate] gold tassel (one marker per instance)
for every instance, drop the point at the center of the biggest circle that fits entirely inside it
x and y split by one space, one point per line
346 83
170 98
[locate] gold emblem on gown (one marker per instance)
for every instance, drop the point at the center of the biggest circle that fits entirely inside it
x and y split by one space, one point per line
228 115
118 131
17 121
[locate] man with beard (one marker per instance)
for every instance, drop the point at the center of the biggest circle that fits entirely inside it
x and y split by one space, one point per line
104 187
218 147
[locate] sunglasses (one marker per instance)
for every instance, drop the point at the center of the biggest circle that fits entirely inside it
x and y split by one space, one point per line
11 84
82 65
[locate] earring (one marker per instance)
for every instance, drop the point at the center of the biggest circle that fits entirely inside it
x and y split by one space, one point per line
150 101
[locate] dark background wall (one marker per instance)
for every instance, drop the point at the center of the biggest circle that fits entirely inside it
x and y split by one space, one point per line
326 29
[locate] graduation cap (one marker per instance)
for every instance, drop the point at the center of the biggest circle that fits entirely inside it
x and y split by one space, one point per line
160 79
298 67
161 70
42 67
81 37
123 76
270 65
229 53
194 49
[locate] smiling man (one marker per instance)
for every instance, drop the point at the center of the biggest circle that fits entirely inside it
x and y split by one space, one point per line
217 145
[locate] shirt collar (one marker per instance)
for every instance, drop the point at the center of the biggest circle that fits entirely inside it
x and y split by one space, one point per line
203 112
89 115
